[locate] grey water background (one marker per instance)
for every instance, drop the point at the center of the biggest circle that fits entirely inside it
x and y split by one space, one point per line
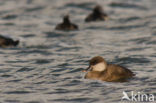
47 65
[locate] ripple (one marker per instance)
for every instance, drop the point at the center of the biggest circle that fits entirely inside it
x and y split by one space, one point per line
127 5
34 9
127 60
151 42
59 34
42 61
18 92
129 19
34 102
71 83
136 49
12 101
53 34
25 69
127 27
78 99
140 40
43 52
6 75
76 70
15 81
80 5
28 35
8 24
9 16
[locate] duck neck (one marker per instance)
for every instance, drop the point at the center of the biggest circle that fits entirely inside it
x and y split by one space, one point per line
97 12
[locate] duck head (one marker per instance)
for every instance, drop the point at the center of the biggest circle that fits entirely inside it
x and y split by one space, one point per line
16 43
98 9
66 19
97 64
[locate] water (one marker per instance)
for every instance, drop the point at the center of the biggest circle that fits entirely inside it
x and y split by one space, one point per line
47 65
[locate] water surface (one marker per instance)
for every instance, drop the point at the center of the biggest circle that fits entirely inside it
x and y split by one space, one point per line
47 65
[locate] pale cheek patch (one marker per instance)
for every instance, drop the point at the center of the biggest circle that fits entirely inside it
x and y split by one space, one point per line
99 67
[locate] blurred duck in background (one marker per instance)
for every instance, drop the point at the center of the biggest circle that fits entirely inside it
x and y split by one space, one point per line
97 15
66 25
7 42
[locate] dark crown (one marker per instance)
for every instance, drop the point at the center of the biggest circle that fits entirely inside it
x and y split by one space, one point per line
96 60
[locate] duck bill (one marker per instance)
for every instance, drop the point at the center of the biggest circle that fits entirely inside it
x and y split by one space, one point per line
87 69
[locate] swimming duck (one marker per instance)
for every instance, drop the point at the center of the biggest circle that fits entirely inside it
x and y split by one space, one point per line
101 70
7 42
97 15
66 25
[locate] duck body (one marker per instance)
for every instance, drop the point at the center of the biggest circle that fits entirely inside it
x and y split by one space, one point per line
97 15
110 73
113 73
67 27
7 42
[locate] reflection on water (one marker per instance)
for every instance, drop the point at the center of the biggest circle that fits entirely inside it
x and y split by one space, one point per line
47 65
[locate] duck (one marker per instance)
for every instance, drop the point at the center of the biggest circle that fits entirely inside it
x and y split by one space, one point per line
99 69
97 15
7 42
66 24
